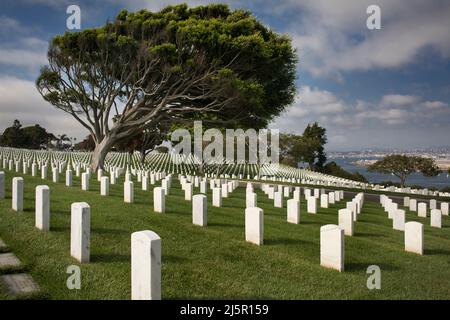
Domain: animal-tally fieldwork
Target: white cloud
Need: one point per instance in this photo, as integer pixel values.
(332, 36)
(21, 100)
(434, 104)
(399, 100)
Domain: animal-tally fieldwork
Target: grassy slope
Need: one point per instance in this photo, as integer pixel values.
(216, 262)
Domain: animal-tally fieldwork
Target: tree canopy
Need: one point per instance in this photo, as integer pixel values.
(176, 65)
(32, 137)
(308, 147)
(402, 166)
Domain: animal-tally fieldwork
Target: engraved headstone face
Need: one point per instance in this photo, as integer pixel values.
(436, 218)
(8, 260)
(332, 247)
(145, 266)
(345, 217)
(414, 237)
(254, 225)
(18, 284)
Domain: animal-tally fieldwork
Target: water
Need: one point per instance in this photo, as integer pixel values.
(438, 182)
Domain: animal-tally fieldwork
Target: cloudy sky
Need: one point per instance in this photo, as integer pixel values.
(369, 88)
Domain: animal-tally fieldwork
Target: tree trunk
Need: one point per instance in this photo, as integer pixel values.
(100, 152)
(143, 154)
(402, 181)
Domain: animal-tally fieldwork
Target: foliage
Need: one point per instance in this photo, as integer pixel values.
(332, 168)
(315, 138)
(87, 144)
(402, 166)
(307, 148)
(32, 137)
(178, 64)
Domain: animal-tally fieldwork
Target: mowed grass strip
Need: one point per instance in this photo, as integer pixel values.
(215, 261)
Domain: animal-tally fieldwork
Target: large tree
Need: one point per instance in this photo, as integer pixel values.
(36, 137)
(175, 65)
(402, 166)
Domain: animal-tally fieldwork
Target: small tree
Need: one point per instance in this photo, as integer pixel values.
(13, 136)
(177, 64)
(314, 138)
(402, 166)
(307, 148)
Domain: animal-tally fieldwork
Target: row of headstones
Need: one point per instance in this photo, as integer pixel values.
(398, 215)
(413, 231)
(421, 207)
(325, 180)
(145, 245)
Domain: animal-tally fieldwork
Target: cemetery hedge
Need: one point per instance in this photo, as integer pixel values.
(215, 262)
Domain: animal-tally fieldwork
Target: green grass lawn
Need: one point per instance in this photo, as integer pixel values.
(215, 261)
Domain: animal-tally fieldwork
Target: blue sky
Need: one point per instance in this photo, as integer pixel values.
(369, 88)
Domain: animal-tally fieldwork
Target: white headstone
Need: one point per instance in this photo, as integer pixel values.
(297, 194)
(444, 208)
(112, 176)
(159, 200)
(316, 193)
(251, 200)
(188, 191)
(345, 217)
(165, 186)
(80, 231)
(412, 205)
(332, 247)
(104, 186)
(436, 218)
(44, 172)
(128, 191)
(414, 237)
(337, 196)
(69, 179)
(2, 185)
(217, 197)
(331, 198)
(203, 186)
(293, 211)
(225, 190)
(85, 181)
(42, 208)
(144, 183)
(254, 225)
(307, 193)
(99, 174)
(392, 208)
(312, 205)
(433, 204)
(286, 191)
(324, 201)
(199, 210)
(278, 200)
(398, 221)
(145, 266)
(17, 194)
(406, 201)
(422, 209)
